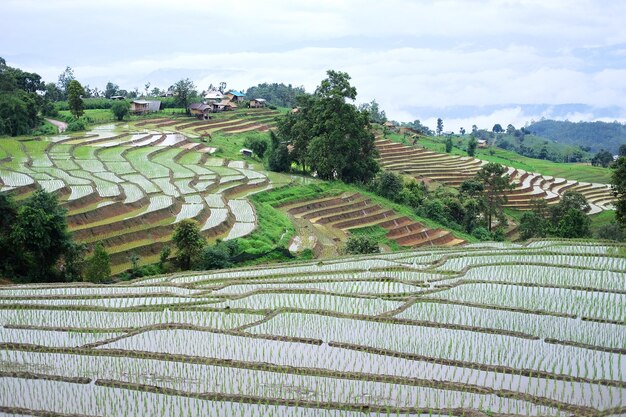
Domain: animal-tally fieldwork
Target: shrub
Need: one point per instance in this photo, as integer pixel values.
(76, 126)
(359, 244)
(258, 146)
(481, 233)
(99, 265)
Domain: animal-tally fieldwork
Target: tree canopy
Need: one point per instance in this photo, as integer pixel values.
(329, 135)
(75, 93)
(495, 182)
(280, 95)
(619, 189)
(188, 241)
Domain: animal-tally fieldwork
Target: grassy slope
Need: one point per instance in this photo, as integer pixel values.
(276, 230)
(577, 171)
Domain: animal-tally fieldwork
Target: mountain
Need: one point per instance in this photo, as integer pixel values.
(594, 135)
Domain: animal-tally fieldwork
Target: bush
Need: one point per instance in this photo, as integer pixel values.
(98, 266)
(76, 126)
(481, 233)
(611, 231)
(45, 130)
(219, 256)
(360, 244)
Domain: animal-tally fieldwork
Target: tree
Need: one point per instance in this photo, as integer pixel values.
(439, 126)
(573, 224)
(279, 159)
(146, 87)
(331, 137)
(40, 232)
(602, 158)
(388, 185)
(618, 180)
(462, 131)
(258, 146)
(495, 181)
(532, 225)
(120, 109)
(375, 114)
(65, 78)
(220, 255)
(471, 146)
(111, 90)
(510, 129)
(184, 91)
(21, 100)
(497, 128)
(359, 244)
(99, 265)
(449, 144)
(73, 261)
(188, 241)
(622, 150)
(75, 94)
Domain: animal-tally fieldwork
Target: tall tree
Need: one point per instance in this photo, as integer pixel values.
(65, 78)
(439, 126)
(497, 128)
(111, 90)
(373, 109)
(75, 93)
(328, 135)
(120, 109)
(188, 241)
(471, 146)
(495, 182)
(618, 179)
(184, 91)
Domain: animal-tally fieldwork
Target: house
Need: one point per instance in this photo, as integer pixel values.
(213, 95)
(144, 106)
(258, 102)
(235, 96)
(200, 110)
(246, 152)
(117, 97)
(482, 143)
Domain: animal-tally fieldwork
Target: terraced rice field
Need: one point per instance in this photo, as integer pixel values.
(481, 330)
(129, 189)
(452, 170)
(350, 211)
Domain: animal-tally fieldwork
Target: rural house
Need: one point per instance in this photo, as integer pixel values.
(200, 110)
(235, 96)
(144, 106)
(258, 102)
(213, 95)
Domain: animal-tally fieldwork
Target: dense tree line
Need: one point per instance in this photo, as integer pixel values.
(326, 135)
(279, 95)
(475, 208)
(595, 135)
(567, 219)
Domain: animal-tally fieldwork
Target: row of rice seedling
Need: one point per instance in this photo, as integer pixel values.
(104, 320)
(308, 301)
(90, 290)
(199, 378)
(51, 338)
(336, 287)
(539, 325)
(588, 304)
(548, 276)
(451, 344)
(108, 302)
(87, 399)
(595, 262)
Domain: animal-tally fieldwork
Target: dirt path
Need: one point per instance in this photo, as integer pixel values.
(61, 125)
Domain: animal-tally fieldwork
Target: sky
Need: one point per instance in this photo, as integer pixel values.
(469, 62)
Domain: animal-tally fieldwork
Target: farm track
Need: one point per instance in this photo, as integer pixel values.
(452, 170)
(383, 333)
(130, 190)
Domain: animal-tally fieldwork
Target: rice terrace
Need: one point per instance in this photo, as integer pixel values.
(330, 209)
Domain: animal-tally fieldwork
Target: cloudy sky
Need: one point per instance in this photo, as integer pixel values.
(469, 62)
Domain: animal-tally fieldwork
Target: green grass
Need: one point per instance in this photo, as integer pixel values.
(574, 171)
(379, 234)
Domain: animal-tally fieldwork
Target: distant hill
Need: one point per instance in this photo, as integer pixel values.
(595, 135)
